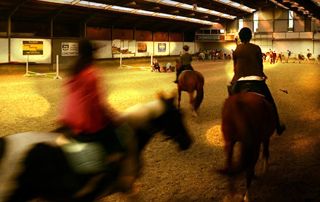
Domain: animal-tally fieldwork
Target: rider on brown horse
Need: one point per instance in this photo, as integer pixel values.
(185, 62)
(248, 72)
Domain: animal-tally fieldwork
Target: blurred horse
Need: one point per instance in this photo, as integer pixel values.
(247, 118)
(191, 81)
(34, 166)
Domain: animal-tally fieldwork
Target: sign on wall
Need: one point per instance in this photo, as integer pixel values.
(123, 46)
(142, 47)
(69, 49)
(162, 47)
(32, 47)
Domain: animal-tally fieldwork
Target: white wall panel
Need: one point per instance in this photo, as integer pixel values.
(295, 46)
(317, 48)
(176, 48)
(104, 50)
(4, 50)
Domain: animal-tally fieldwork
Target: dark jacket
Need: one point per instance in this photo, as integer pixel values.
(247, 59)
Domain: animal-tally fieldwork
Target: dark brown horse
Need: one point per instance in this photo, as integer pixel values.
(191, 81)
(247, 118)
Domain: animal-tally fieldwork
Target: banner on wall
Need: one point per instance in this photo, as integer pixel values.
(142, 47)
(69, 49)
(32, 47)
(123, 46)
(162, 47)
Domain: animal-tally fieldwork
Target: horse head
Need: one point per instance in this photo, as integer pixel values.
(171, 123)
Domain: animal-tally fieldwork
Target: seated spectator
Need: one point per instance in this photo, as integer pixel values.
(155, 65)
(169, 67)
(202, 56)
(309, 54)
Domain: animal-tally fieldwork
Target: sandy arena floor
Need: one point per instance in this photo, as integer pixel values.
(31, 104)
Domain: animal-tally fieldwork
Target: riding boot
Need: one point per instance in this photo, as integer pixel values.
(177, 75)
(280, 127)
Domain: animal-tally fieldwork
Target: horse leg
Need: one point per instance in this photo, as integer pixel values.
(265, 154)
(228, 166)
(179, 97)
(253, 155)
(191, 101)
(21, 194)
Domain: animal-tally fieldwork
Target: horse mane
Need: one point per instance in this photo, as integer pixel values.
(139, 115)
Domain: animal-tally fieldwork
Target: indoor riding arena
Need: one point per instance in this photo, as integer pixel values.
(39, 43)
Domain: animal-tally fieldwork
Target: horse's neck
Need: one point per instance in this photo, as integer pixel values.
(141, 119)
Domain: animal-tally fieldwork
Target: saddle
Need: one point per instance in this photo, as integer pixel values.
(246, 86)
(85, 157)
(92, 157)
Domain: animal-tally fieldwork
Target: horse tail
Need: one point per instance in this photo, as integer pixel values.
(200, 92)
(244, 128)
(2, 147)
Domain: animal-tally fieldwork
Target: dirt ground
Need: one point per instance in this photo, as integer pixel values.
(32, 104)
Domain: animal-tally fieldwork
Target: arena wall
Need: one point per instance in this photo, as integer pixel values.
(4, 51)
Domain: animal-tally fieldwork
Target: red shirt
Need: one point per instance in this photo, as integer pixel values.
(83, 109)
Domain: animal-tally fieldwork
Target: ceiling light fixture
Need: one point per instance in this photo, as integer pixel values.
(236, 5)
(192, 7)
(279, 4)
(101, 6)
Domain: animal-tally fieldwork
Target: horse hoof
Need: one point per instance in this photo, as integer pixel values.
(223, 171)
(194, 114)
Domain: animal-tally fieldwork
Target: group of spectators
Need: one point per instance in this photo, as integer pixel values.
(273, 57)
(156, 67)
(213, 54)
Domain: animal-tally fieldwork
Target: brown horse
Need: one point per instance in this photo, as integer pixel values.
(191, 81)
(247, 118)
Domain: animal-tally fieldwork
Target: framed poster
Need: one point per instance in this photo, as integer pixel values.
(142, 47)
(162, 47)
(69, 48)
(32, 47)
(123, 46)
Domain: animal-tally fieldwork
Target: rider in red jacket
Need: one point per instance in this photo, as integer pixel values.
(84, 110)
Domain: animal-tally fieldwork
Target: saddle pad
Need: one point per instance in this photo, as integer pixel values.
(85, 158)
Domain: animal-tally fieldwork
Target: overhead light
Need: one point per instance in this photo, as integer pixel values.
(285, 1)
(193, 7)
(236, 5)
(294, 4)
(300, 8)
(279, 4)
(123, 9)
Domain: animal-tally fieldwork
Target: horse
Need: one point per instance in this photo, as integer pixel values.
(191, 81)
(248, 118)
(34, 166)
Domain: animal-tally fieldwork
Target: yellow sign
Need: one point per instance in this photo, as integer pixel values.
(32, 47)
